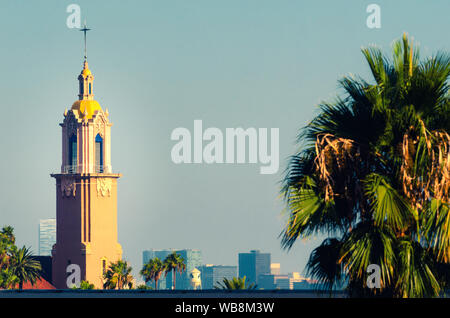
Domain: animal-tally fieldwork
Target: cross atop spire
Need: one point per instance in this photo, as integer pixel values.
(85, 29)
(86, 79)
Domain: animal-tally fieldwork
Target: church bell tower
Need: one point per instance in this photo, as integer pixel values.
(86, 190)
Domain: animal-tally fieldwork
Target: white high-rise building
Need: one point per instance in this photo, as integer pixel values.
(47, 236)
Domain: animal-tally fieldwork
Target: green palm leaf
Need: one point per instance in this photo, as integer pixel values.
(388, 206)
(417, 276)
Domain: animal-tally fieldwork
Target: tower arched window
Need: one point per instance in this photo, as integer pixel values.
(73, 153)
(98, 154)
(90, 88)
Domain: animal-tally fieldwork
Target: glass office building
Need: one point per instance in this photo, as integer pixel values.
(47, 236)
(211, 275)
(253, 264)
(193, 259)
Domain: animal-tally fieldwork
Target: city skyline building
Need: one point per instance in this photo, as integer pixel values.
(253, 264)
(291, 280)
(282, 282)
(275, 268)
(266, 281)
(47, 236)
(211, 274)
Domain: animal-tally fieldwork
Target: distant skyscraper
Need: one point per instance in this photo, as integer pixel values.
(278, 281)
(211, 274)
(275, 268)
(47, 236)
(266, 281)
(253, 264)
(282, 282)
(192, 259)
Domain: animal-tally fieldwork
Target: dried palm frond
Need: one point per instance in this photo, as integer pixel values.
(331, 150)
(425, 168)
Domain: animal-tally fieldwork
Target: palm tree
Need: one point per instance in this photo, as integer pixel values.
(8, 231)
(374, 176)
(143, 287)
(85, 285)
(118, 276)
(25, 267)
(174, 263)
(153, 270)
(235, 283)
(323, 265)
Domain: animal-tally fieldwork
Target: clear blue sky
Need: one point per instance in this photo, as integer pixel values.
(159, 65)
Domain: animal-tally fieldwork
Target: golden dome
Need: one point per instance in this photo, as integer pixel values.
(88, 106)
(86, 72)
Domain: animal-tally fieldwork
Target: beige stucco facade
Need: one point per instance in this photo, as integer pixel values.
(86, 191)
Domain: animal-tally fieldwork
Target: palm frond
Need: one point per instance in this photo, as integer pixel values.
(324, 266)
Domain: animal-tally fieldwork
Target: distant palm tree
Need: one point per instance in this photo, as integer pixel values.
(144, 287)
(8, 231)
(85, 285)
(153, 270)
(235, 284)
(118, 276)
(374, 175)
(174, 263)
(25, 267)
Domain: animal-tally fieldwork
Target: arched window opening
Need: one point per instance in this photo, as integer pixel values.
(98, 154)
(90, 88)
(73, 154)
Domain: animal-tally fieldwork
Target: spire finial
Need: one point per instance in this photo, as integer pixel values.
(85, 29)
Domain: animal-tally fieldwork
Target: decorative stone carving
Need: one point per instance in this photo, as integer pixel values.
(71, 128)
(68, 187)
(100, 122)
(99, 129)
(104, 187)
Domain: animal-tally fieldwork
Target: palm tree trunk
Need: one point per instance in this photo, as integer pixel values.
(174, 278)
